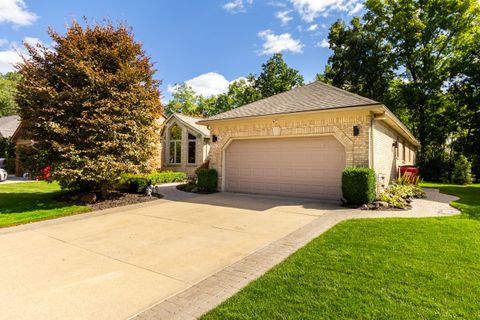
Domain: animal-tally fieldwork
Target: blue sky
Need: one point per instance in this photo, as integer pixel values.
(204, 42)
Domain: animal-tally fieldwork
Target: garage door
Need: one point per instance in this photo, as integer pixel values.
(300, 167)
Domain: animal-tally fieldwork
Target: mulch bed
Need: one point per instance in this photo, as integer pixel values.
(114, 199)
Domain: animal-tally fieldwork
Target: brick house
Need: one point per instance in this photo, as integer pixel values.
(298, 142)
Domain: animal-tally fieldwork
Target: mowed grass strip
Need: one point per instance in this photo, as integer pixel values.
(375, 269)
(33, 201)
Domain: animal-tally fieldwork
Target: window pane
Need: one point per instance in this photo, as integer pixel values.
(175, 133)
(192, 149)
(178, 152)
(172, 152)
(191, 137)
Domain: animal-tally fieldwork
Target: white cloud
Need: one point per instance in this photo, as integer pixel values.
(313, 27)
(7, 60)
(3, 42)
(311, 9)
(284, 17)
(323, 44)
(358, 7)
(15, 11)
(207, 84)
(32, 41)
(277, 43)
(236, 6)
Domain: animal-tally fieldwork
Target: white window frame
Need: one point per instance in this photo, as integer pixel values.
(176, 143)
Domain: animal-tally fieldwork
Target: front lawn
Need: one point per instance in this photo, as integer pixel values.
(375, 269)
(32, 201)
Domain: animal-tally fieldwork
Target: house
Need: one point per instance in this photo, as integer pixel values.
(185, 143)
(297, 143)
(8, 126)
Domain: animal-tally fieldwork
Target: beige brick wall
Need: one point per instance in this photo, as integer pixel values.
(338, 123)
(387, 158)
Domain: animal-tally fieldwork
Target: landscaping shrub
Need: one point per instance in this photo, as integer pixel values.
(138, 183)
(207, 180)
(358, 185)
(399, 195)
(462, 171)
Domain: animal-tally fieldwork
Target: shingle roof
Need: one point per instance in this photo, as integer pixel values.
(192, 122)
(8, 125)
(314, 96)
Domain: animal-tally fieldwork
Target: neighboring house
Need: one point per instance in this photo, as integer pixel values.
(298, 142)
(185, 144)
(8, 126)
(20, 143)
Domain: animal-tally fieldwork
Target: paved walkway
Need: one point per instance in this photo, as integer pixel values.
(210, 292)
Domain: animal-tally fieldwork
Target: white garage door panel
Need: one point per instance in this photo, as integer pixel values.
(303, 167)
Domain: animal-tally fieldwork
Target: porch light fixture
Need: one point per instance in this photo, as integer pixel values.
(356, 130)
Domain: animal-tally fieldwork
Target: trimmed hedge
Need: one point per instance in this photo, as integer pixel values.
(358, 185)
(207, 179)
(138, 183)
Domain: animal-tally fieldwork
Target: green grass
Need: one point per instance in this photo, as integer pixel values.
(425, 268)
(469, 202)
(32, 201)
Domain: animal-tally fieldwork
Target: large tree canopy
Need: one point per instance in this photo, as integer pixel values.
(90, 104)
(410, 54)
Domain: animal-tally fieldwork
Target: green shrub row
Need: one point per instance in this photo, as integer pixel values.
(207, 179)
(138, 183)
(358, 185)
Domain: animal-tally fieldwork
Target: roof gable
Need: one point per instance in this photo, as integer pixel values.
(190, 122)
(8, 126)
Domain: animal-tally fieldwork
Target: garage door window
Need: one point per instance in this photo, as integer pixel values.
(175, 144)
(192, 149)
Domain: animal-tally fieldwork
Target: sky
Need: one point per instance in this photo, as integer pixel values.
(205, 43)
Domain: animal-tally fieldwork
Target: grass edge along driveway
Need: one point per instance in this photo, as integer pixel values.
(375, 269)
(33, 201)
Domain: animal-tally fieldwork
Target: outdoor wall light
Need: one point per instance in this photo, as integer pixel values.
(214, 138)
(356, 130)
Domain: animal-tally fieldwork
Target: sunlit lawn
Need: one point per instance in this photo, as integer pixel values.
(32, 201)
(425, 268)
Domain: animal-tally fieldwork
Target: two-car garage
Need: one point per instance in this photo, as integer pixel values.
(300, 167)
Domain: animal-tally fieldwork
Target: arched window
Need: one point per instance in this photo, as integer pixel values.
(175, 144)
(192, 149)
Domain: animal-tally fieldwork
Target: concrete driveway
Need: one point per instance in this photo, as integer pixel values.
(117, 263)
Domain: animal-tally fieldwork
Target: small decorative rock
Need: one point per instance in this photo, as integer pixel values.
(88, 198)
(364, 207)
(383, 204)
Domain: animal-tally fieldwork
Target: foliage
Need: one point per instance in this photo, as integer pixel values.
(207, 180)
(8, 151)
(421, 59)
(399, 194)
(138, 183)
(361, 61)
(358, 185)
(8, 83)
(91, 105)
(462, 171)
(407, 179)
(371, 269)
(275, 77)
(33, 201)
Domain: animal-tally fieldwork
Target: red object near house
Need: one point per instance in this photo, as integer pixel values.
(411, 171)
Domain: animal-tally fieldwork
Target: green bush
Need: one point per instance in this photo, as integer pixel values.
(462, 171)
(396, 195)
(167, 177)
(358, 185)
(207, 180)
(138, 183)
